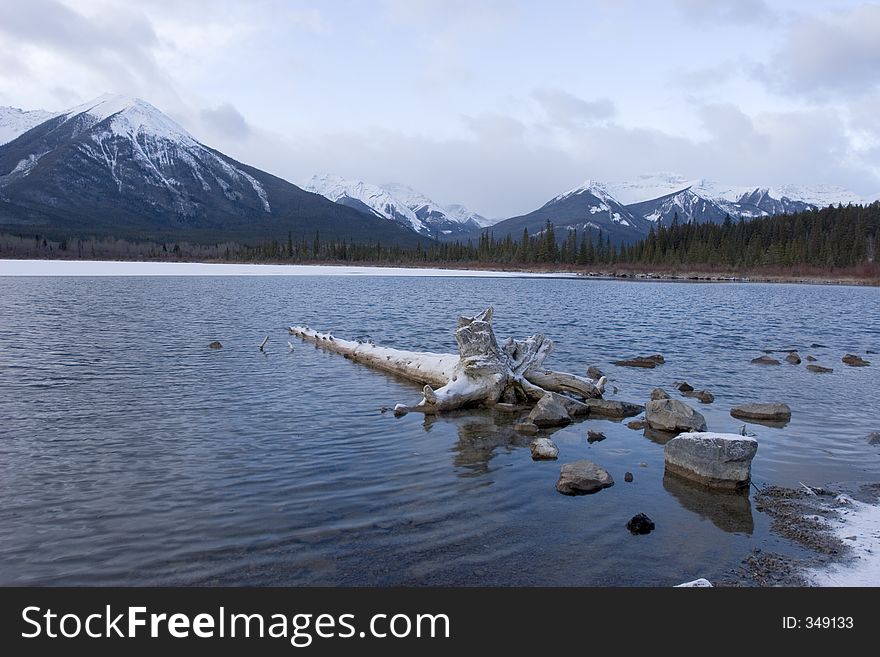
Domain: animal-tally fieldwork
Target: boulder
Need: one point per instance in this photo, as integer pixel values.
(855, 361)
(594, 373)
(548, 412)
(716, 460)
(705, 397)
(673, 415)
(647, 362)
(628, 477)
(775, 412)
(215, 345)
(611, 408)
(544, 449)
(818, 369)
(765, 360)
(659, 393)
(874, 438)
(638, 425)
(595, 436)
(684, 386)
(793, 358)
(583, 478)
(526, 427)
(640, 524)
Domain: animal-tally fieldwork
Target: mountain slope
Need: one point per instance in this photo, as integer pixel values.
(588, 207)
(118, 166)
(15, 122)
(687, 205)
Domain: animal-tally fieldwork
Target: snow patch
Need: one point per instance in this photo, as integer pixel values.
(858, 526)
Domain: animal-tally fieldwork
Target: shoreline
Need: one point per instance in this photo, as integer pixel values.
(75, 267)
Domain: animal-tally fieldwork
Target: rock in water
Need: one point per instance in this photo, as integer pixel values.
(215, 345)
(855, 361)
(638, 425)
(705, 397)
(716, 460)
(640, 524)
(697, 583)
(400, 410)
(672, 415)
(549, 413)
(612, 408)
(526, 427)
(595, 436)
(765, 360)
(659, 393)
(818, 369)
(775, 412)
(684, 386)
(628, 477)
(648, 362)
(812, 359)
(594, 373)
(544, 449)
(793, 358)
(583, 478)
(874, 438)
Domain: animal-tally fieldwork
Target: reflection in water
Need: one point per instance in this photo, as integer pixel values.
(730, 511)
(480, 434)
(659, 437)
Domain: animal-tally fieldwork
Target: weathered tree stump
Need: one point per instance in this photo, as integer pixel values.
(484, 372)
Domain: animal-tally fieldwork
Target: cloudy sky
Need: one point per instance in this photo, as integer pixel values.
(499, 105)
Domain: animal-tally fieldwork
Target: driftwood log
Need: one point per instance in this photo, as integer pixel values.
(483, 372)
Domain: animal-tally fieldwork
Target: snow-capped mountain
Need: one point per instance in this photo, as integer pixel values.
(399, 203)
(117, 164)
(15, 122)
(587, 207)
(687, 205)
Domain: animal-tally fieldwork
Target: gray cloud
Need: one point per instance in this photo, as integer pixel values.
(226, 120)
(567, 110)
(835, 54)
(741, 12)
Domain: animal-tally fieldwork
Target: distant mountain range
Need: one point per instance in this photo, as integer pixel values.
(118, 166)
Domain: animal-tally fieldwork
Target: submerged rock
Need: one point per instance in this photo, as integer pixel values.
(215, 345)
(544, 449)
(818, 369)
(595, 436)
(548, 412)
(774, 412)
(612, 408)
(526, 427)
(855, 361)
(716, 460)
(793, 358)
(628, 477)
(638, 425)
(705, 397)
(583, 478)
(673, 415)
(659, 393)
(400, 410)
(874, 438)
(647, 362)
(684, 386)
(765, 360)
(640, 524)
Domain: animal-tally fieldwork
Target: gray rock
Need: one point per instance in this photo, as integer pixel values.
(855, 361)
(818, 369)
(793, 358)
(647, 362)
(673, 415)
(594, 373)
(612, 408)
(765, 360)
(717, 460)
(638, 425)
(526, 427)
(215, 345)
(583, 478)
(705, 397)
(684, 386)
(548, 412)
(544, 449)
(628, 477)
(659, 393)
(812, 359)
(874, 438)
(775, 412)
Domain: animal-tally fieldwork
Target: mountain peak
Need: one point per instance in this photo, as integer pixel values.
(129, 116)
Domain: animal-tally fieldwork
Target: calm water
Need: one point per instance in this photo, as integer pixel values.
(130, 453)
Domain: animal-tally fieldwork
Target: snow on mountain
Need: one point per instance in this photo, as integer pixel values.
(687, 205)
(400, 203)
(597, 200)
(15, 122)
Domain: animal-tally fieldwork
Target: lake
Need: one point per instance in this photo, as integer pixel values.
(132, 454)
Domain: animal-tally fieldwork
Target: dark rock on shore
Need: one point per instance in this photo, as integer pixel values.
(765, 360)
(773, 412)
(640, 524)
(855, 361)
(583, 478)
